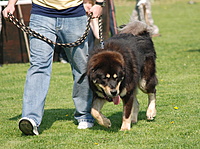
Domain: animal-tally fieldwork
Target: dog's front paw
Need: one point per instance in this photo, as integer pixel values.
(125, 126)
(105, 122)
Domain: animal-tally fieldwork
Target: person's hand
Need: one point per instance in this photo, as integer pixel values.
(87, 7)
(8, 9)
(96, 11)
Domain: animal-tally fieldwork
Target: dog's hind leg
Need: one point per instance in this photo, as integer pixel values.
(145, 87)
(148, 84)
(96, 113)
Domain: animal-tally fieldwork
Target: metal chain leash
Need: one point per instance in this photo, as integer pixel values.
(29, 31)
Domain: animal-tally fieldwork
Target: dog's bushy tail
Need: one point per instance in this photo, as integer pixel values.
(135, 28)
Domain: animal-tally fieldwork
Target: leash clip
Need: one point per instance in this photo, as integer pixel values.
(102, 44)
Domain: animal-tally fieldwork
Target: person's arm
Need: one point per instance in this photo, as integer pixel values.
(97, 8)
(10, 8)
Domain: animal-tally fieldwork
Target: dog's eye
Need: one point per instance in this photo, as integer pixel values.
(100, 77)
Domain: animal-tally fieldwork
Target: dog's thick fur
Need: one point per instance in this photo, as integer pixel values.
(126, 63)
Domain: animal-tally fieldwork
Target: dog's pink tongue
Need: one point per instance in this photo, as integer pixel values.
(116, 100)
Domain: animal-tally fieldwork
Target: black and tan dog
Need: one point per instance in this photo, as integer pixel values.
(115, 72)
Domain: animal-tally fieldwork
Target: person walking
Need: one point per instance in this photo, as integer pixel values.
(64, 21)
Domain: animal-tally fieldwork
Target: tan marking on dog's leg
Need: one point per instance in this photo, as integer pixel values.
(95, 111)
(151, 111)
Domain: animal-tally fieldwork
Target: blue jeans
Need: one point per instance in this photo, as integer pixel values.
(38, 76)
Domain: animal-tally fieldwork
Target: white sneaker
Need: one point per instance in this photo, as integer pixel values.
(28, 126)
(85, 125)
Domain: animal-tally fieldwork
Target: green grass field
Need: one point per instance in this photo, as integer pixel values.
(177, 125)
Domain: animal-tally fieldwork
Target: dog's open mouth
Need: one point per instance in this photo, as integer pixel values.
(115, 100)
(108, 95)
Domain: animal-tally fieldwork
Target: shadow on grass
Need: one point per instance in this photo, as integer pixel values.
(116, 120)
(193, 50)
(53, 115)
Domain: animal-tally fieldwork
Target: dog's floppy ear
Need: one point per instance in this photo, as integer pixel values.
(91, 67)
(91, 73)
(92, 70)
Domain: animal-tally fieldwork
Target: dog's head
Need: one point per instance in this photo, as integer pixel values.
(106, 72)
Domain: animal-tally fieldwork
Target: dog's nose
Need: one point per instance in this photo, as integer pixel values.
(114, 92)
